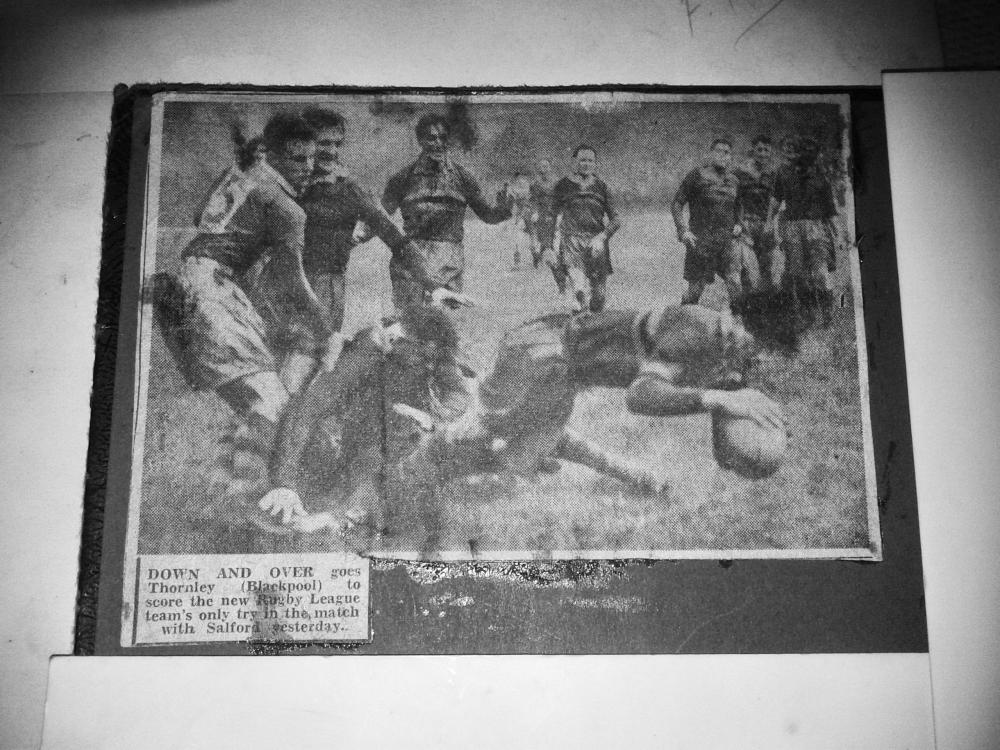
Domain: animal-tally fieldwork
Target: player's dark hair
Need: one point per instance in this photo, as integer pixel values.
(431, 324)
(584, 147)
(247, 155)
(429, 120)
(726, 141)
(285, 127)
(324, 119)
(766, 140)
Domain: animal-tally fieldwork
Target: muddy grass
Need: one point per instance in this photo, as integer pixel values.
(816, 499)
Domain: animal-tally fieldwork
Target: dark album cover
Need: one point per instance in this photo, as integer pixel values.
(509, 372)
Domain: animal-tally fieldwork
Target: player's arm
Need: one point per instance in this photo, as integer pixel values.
(682, 198)
(288, 237)
(392, 196)
(364, 207)
(303, 413)
(775, 204)
(612, 222)
(488, 212)
(655, 393)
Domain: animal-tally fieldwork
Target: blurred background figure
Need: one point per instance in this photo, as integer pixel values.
(520, 223)
(543, 221)
(802, 214)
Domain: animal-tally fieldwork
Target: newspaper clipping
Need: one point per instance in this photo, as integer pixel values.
(504, 326)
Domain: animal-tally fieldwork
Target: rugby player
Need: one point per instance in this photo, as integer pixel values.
(803, 196)
(672, 361)
(520, 224)
(335, 205)
(218, 337)
(709, 192)
(753, 199)
(585, 222)
(432, 195)
(543, 221)
(349, 418)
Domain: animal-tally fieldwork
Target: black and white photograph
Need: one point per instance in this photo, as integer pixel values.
(501, 326)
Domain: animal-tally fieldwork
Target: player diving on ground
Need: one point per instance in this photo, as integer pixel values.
(672, 361)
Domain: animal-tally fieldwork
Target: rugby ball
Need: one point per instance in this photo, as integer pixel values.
(746, 447)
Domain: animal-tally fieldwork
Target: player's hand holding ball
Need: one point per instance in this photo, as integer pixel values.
(283, 501)
(749, 433)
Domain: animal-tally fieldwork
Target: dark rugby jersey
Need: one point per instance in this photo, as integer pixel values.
(543, 198)
(432, 195)
(611, 348)
(583, 206)
(806, 192)
(333, 205)
(357, 395)
(710, 195)
(756, 186)
(246, 216)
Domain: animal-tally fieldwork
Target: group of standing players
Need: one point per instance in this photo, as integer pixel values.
(256, 308)
(766, 227)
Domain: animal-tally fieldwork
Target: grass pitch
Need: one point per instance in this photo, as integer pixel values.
(816, 500)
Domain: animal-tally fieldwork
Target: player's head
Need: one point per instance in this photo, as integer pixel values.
(428, 336)
(330, 128)
(761, 148)
(291, 147)
(544, 166)
(808, 149)
(586, 159)
(712, 348)
(789, 147)
(520, 186)
(433, 131)
(721, 152)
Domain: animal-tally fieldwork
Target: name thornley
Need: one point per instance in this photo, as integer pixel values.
(156, 587)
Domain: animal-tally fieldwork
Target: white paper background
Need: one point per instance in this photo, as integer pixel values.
(52, 151)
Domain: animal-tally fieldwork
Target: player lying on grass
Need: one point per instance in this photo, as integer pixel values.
(672, 361)
(343, 430)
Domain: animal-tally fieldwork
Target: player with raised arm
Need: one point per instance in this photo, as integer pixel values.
(432, 195)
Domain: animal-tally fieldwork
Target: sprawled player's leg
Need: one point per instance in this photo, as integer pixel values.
(577, 449)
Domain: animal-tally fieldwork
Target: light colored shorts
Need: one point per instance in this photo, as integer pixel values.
(224, 337)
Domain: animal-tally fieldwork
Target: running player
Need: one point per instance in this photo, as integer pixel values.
(585, 223)
(432, 194)
(709, 192)
(543, 221)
